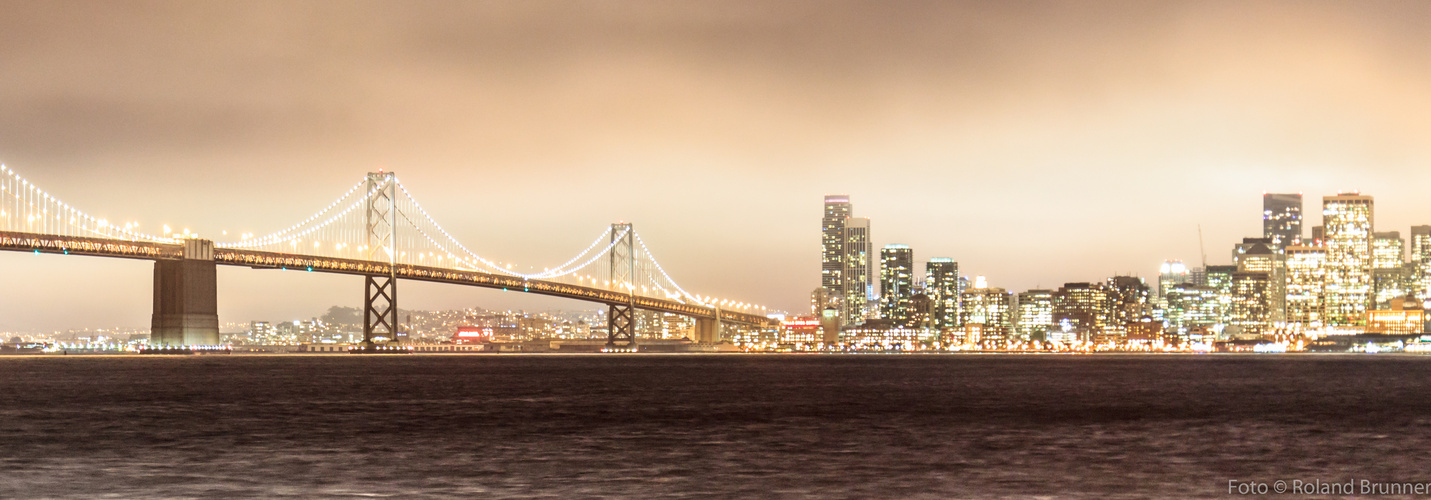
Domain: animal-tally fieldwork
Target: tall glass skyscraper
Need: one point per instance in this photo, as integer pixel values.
(941, 283)
(1282, 219)
(859, 270)
(896, 282)
(832, 239)
(1348, 222)
(1421, 261)
(846, 258)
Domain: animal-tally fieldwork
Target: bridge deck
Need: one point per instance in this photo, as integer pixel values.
(105, 247)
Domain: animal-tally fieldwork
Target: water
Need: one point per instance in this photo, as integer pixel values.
(705, 426)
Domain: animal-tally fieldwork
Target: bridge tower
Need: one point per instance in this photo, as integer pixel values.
(380, 313)
(621, 318)
(186, 298)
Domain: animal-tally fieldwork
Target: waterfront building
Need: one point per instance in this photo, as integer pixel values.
(1130, 296)
(896, 283)
(882, 334)
(1404, 316)
(1306, 284)
(987, 310)
(941, 283)
(804, 332)
(1282, 219)
(1035, 314)
(1349, 222)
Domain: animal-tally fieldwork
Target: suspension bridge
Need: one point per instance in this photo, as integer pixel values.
(377, 230)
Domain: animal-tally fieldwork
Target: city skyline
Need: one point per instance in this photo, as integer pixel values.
(988, 144)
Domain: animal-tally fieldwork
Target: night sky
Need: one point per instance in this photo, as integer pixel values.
(1035, 143)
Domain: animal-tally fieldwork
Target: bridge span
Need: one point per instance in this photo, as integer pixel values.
(379, 233)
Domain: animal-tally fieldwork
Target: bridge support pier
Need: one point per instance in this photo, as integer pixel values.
(186, 298)
(707, 330)
(620, 327)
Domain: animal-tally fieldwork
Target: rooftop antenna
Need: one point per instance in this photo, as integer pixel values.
(1200, 248)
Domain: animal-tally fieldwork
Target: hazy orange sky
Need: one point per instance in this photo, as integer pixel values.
(1034, 142)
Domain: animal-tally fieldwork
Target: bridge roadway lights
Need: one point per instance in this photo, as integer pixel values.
(186, 298)
(371, 348)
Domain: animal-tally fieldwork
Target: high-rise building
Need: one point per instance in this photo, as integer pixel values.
(832, 239)
(1171, 273)
(986, 311)
(1421, 261)
(1258, 255)
(1035, 316)
(896, 283)
(858, 286)
(822, 299)
(1306, 285)
(1349, 222)
(941, 283)
(1388, 250)
(1282, 219)
(1220, 279)
(1190, 306)
(1251, 302)
(1130, 296)
(1081, 311)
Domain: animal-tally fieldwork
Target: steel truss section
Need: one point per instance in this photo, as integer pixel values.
(379, 309)
(620, 327)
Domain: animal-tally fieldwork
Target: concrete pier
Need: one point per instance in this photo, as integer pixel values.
(186, 298)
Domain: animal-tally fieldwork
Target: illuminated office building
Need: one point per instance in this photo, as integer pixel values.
(1220, 279)
(1387, 250)
(1190, 306)
(1258, 255)
(941, 284)
(1306, 287)
(1421, 261)
(896, 283)
(859, 270)
(1251, 302)
(1035, 314)
(1282, 219)
(986, 311)
(832, 239)
(1391, 278)
(1171, 273)
(1081, 311)
(1349, 221)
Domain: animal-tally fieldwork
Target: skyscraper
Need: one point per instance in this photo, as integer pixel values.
(846, 259)
(858, 270)
(1421, 261)
(985, 314)
(1306, 286)
(1282, 219)
(1171, 273)
(941, 283)
(1080, 312)
(1349, 221)
(896, 282)
(832, 239)
(1035, 316)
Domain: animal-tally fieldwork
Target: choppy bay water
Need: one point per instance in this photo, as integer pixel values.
(704, 426)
